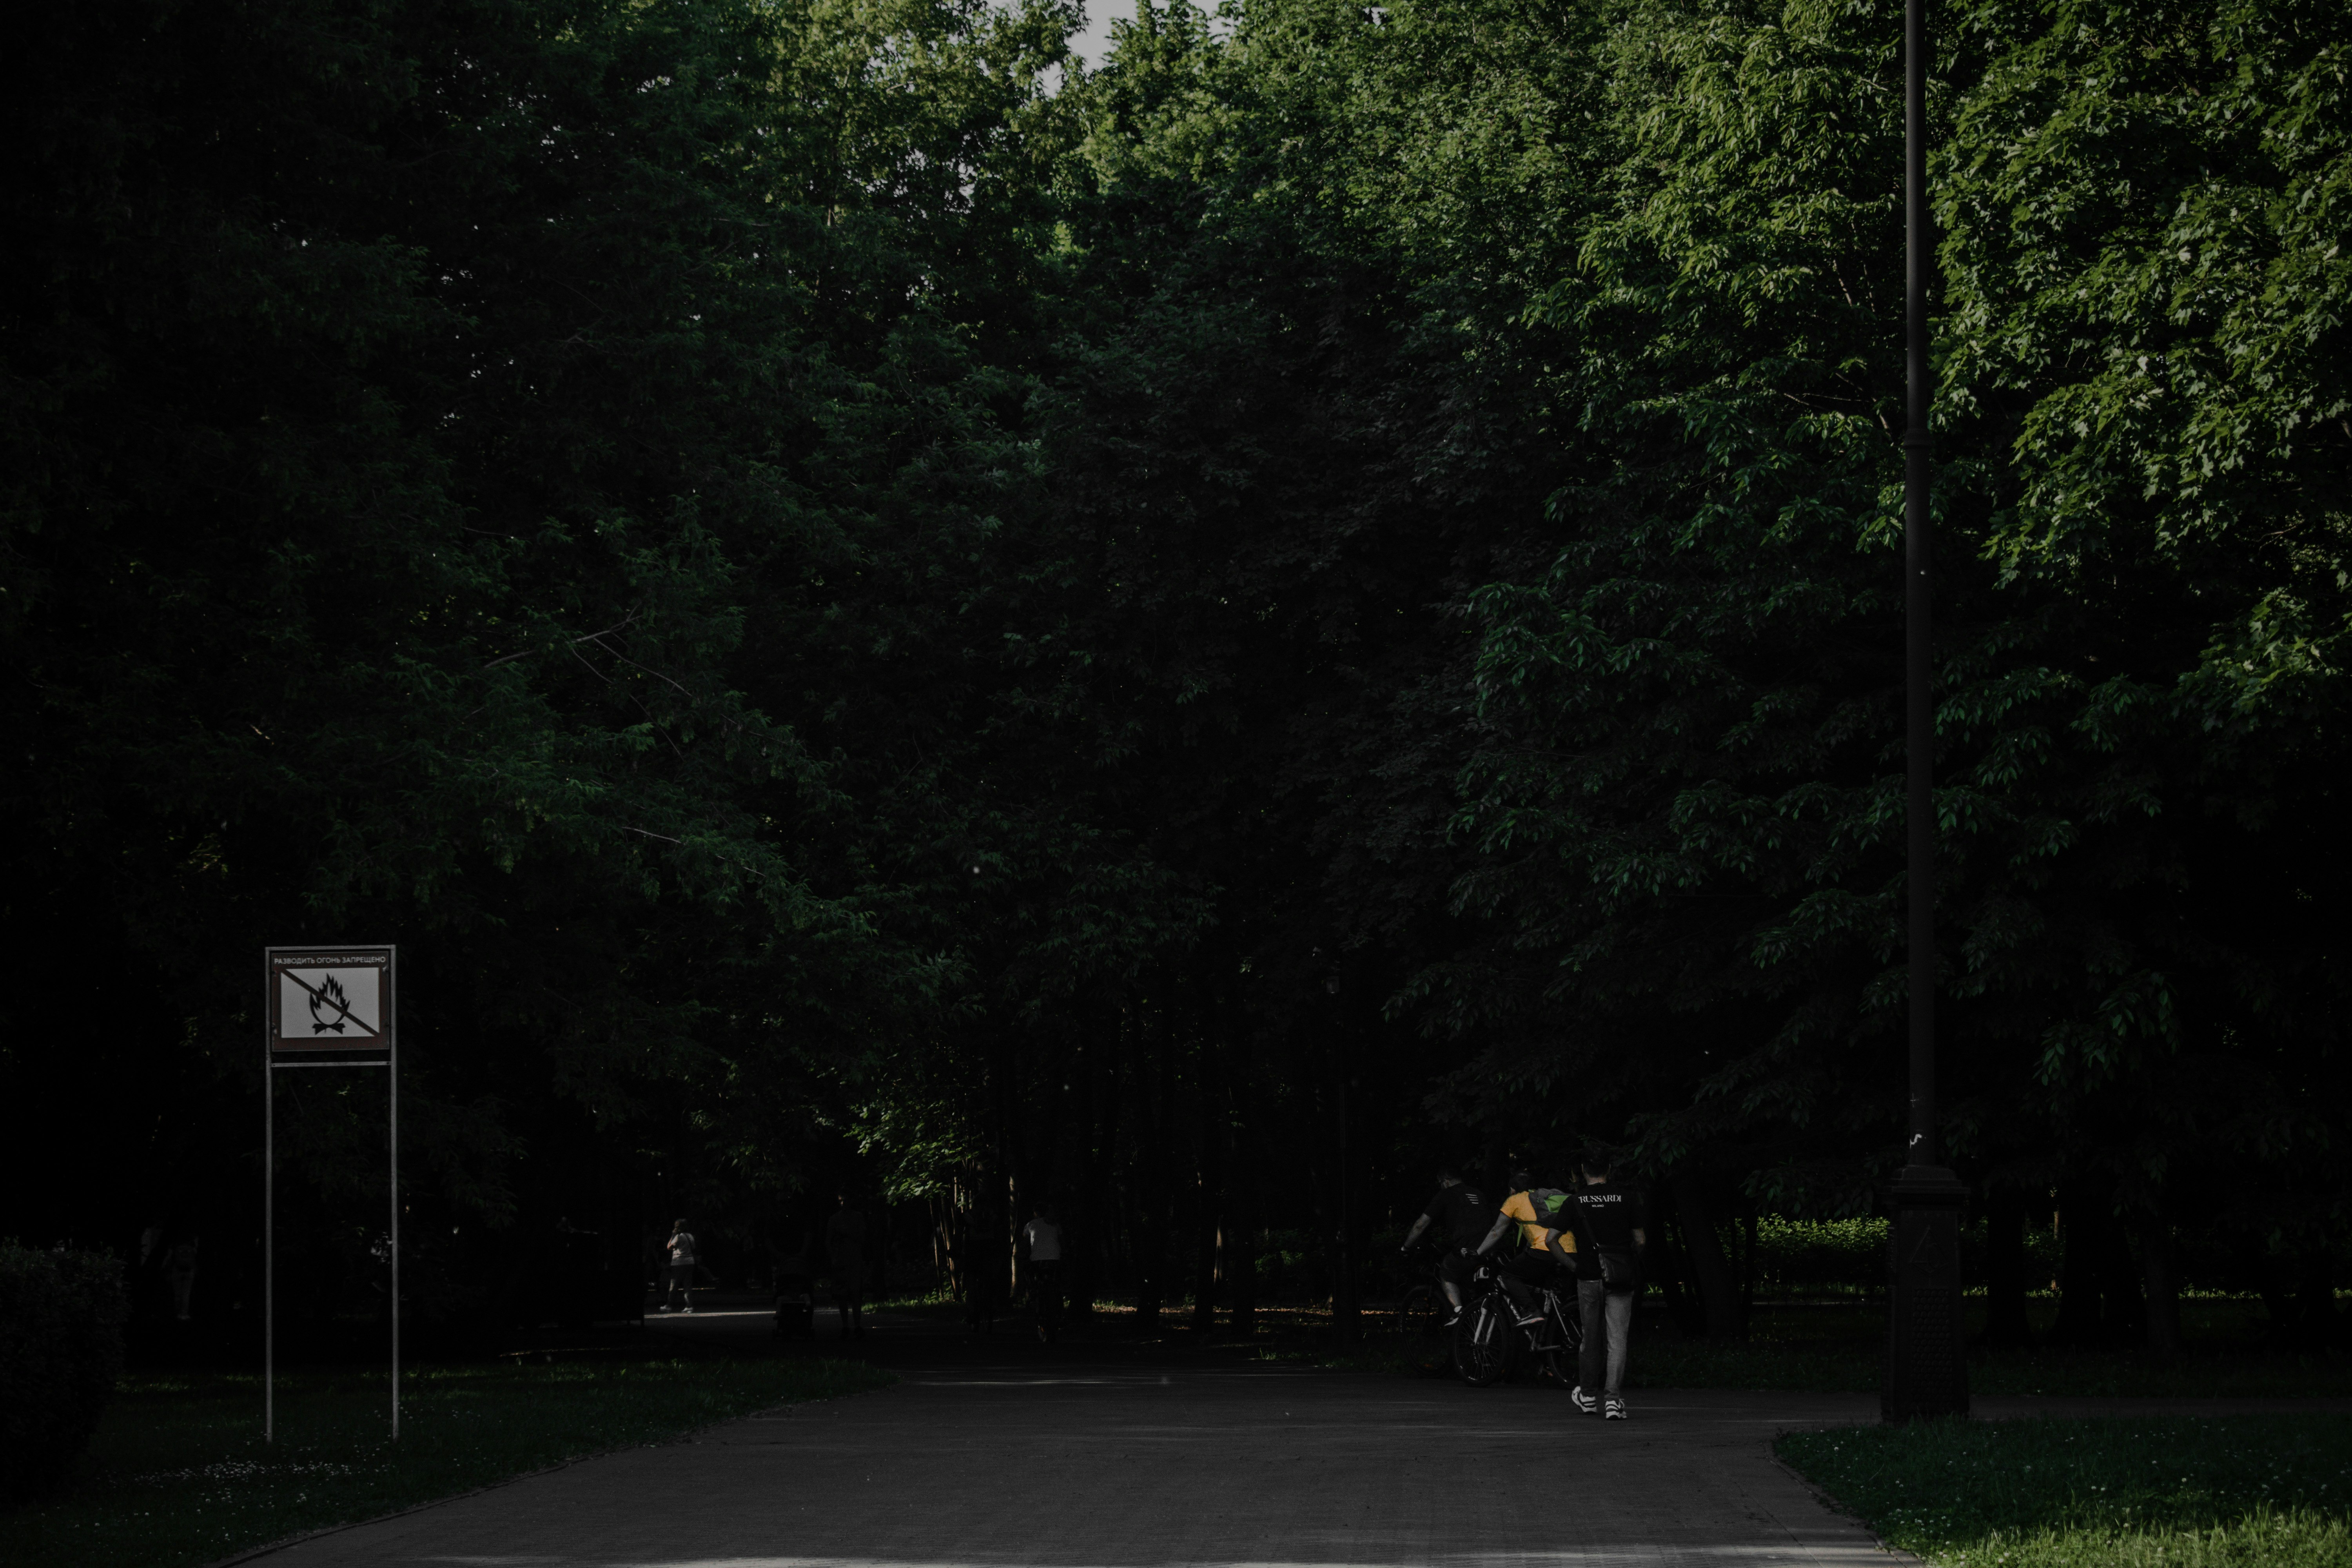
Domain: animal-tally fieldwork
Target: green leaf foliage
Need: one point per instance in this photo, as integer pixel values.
(876, 608)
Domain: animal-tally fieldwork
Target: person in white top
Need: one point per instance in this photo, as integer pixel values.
(681, 1266)
(1041, 1241)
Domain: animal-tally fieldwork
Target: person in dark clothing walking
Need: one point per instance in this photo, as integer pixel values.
(1464, 1211)
(1609, 1236)
(1041, 1243)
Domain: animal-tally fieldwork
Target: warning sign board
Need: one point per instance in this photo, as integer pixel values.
(330, 999)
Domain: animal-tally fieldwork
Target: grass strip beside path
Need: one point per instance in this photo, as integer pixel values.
(2168, 1491)
(179, 1475)
(2219, 1372)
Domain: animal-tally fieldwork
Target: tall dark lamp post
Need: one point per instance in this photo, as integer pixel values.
(1926, 1372)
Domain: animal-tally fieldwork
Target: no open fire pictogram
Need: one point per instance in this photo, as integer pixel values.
(330, 1001)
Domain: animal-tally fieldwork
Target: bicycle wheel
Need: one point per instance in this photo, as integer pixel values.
(1555, 1343)
(1572, 1324)
(1422, 1325)
(1483, 1342)
(1421, 1312)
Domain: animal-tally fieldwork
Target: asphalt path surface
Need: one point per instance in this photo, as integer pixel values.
(1007, 1452)
(1004, 1454)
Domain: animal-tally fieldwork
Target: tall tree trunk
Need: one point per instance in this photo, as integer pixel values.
(999, 1257)
(1709, 1269)
(1151, 1249)
(2082, 1205)
(1204, 1268)
(1667, 1264)
(1240, 1266)
(942, 1250)
(2006, 1322)
(1208, 1146)
(1748, 1271)
(1347, 1320)
(2255, 1260)
(2315, 1318)
(1099, 1080)
(2159, 1274)
(1241, 1196)
(2122, 1309)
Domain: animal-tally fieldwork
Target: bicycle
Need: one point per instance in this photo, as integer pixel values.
(1488, 1341)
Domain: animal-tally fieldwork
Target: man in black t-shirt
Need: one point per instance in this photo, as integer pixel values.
(1464, 1211)
(1611, 1226)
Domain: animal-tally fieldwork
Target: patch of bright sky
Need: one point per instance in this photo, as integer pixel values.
(1091, 43)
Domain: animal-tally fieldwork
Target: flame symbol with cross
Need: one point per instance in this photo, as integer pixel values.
(331, 994)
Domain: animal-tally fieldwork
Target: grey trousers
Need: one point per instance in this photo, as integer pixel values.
(1597, 1305)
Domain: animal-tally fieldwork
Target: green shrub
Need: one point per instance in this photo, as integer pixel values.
(1804, 1255)
(60, 1349)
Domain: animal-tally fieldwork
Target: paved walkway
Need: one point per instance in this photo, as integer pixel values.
(1109, 1464)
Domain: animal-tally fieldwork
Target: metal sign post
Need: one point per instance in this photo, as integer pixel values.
(323, 1007)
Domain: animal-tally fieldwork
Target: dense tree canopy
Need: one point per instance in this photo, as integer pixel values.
(880, 611)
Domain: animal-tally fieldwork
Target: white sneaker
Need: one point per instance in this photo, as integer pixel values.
(689, 1311)
(1583, 1401)
(667, 1308)
(1614, 1410)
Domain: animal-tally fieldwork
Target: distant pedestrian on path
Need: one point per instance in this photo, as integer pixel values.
(845, 1250)
(681, 1266)
(1041, 1240)
(1609, 1236)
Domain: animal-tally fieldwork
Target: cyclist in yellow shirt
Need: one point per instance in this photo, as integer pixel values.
(1549, 1246)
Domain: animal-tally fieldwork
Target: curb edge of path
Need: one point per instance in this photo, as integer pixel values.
(691, 1435)
(1829, 1503)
